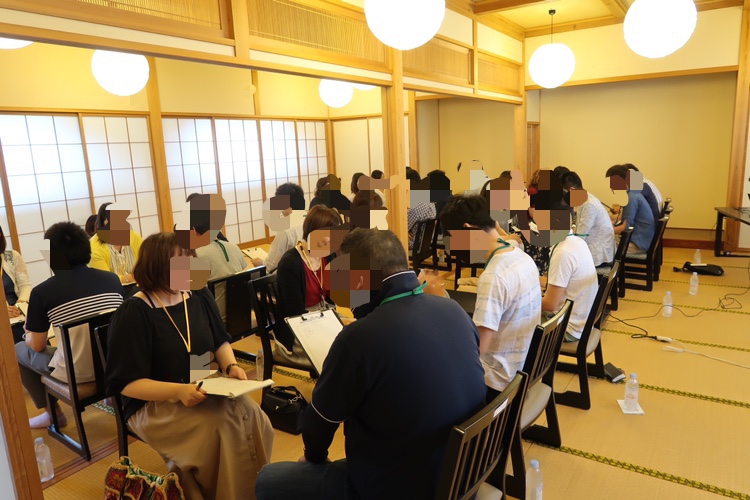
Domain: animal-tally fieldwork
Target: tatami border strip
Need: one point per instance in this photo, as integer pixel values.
(650, 472)
(741, 287)
(717, 309)
(684, 341)
(694, 395)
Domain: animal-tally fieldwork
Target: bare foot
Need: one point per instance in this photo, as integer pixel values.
(44, 420)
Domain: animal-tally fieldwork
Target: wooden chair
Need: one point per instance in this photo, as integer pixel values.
(590, 342)
(618, 289)
(540, 398)
(264, 295)
(666, 211)
(437, 244)
(76, 395)
(123, 432)
(424, 232)
(644, 266)
(240, 320)
(665, 207)
(478, 449)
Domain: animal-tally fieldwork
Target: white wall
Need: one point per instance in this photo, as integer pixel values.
(7, 486)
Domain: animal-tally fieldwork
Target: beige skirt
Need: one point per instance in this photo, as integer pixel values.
(216, 447)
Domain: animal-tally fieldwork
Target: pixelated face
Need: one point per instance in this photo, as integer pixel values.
(188, 273)
(367, 218)
(203, 211)
(351, 281)
(469, 244)
(279, 215)
(119, 228)
(200, 365)
(325, 241)
(430, 190)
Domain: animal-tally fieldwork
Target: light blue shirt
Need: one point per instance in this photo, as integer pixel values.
(638, 214)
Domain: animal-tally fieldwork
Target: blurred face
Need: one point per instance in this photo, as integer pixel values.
(187, 273)
(469, 244)
(279, 215)
(119, 228)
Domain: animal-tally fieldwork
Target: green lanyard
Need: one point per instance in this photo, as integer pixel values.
(226, 255)
(505, 245)
(416, 291)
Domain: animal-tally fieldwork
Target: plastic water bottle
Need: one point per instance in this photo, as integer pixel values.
(43, 460)
(259, 365)
(697, 256)
(666, 311)
(693, 284)
(631, 393)
(534, 484)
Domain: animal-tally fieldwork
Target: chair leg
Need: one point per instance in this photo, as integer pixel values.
(549, 435)
(621, 285)
(82, 433)
(575, 399)
(597, 369)
(614, 297)
(515, 484)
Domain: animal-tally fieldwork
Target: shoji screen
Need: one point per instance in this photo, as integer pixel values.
(191, 159)
(46, 176)
(119, 157)
(313, 158)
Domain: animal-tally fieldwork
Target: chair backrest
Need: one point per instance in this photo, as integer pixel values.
(424, 232)
(545, 345)
(64, 329)
(661, 226)
(622, 247)
(237, 296)
(481, 444)
(264, 298)
(597, 308)
(665, 209)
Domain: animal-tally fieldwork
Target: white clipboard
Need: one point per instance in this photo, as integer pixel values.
(316, 332)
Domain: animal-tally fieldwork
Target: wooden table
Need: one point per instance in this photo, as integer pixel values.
(741, 215)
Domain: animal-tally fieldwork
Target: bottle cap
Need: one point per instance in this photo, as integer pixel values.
(534, 463)
(632, 375)
(695, 274)
(669, 293)
(38, 441)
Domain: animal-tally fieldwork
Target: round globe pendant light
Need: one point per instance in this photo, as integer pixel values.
(119, 73)
(657, 28)
(552, 64)
(404, 24)
(12, 43)
(335, 94)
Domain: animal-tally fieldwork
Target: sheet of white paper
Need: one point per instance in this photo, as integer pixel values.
(639, 411)
(256, 253)
(316, 333)
(231, 387)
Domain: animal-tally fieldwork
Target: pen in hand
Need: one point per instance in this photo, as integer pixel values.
(198, 387)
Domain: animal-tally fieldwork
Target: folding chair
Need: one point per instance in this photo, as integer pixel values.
(590, 342)
(478, 448)
(645, 266)
(618, 289)
(540, 398)
(77, 396)
(424, 232)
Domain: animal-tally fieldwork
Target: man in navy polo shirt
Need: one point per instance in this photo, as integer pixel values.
(399, 379)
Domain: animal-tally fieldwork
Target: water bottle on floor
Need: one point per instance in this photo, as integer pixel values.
(43, 460)
(693, 284)
(534, 484)
(666, 311)
(631, 393)
(259, 365)
(697, 256)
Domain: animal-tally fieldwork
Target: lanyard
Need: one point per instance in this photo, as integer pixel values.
(223, 249)
(416, 291)
(187, 320)
(303, 252)
(505, 245)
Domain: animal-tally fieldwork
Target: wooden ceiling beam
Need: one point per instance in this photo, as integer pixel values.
(489, 6)
(618, 8)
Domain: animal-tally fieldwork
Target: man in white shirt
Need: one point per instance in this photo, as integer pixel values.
(592, 221)
(289, 235)
(508, 306)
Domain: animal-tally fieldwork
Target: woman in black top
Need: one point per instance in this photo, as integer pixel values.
(162, 339)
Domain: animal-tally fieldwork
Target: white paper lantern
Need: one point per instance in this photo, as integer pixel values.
(363, 86)
(552, 64)
(404, 24)
(12, 43)
(335, 94)
(119, 73)
(657, 28)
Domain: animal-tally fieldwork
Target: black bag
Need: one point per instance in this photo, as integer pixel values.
(285, 406)
(708, 269)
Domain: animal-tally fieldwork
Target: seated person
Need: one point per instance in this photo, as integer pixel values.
(421, 206)
(592, 222)
(637, 212)
(73, 292)
(161, 340)
(572, 275)
(289, 236)
(16, 284)
(300, 278)
(364, 205)
(328, 193)
(354, 188)
(508, 304)
(223, 257)
(653, 202)
(395, 437)
(115, 246)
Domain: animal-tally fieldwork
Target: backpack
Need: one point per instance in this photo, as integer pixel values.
(709, 269)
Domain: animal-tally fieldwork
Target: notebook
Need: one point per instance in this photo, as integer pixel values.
(316, 332)
(232, 387)
(256, 253)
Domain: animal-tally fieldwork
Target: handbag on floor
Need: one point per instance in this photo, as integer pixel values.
(285, 407)
(127, 481)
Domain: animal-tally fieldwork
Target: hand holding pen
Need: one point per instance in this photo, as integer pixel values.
(191, 395)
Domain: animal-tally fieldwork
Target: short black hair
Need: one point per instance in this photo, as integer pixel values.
(618, 170)
(102, 217)
(380, 248)
(69, 245)
(473, 210)
(413, 177)
(572, 180)
(295, 192)
(355, 178)
(90, 226)
(560, 171)
(377, 174)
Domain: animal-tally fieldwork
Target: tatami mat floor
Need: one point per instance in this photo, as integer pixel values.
(692, 443)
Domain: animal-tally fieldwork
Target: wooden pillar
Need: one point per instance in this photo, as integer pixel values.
(158, 150)
(240, 28)
(520, 145)
(393, 142)
(737, 170)
(413, 145)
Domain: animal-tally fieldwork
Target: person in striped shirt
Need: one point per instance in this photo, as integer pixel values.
(75, 291)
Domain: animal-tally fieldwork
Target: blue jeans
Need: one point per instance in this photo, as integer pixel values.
(308, 481)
